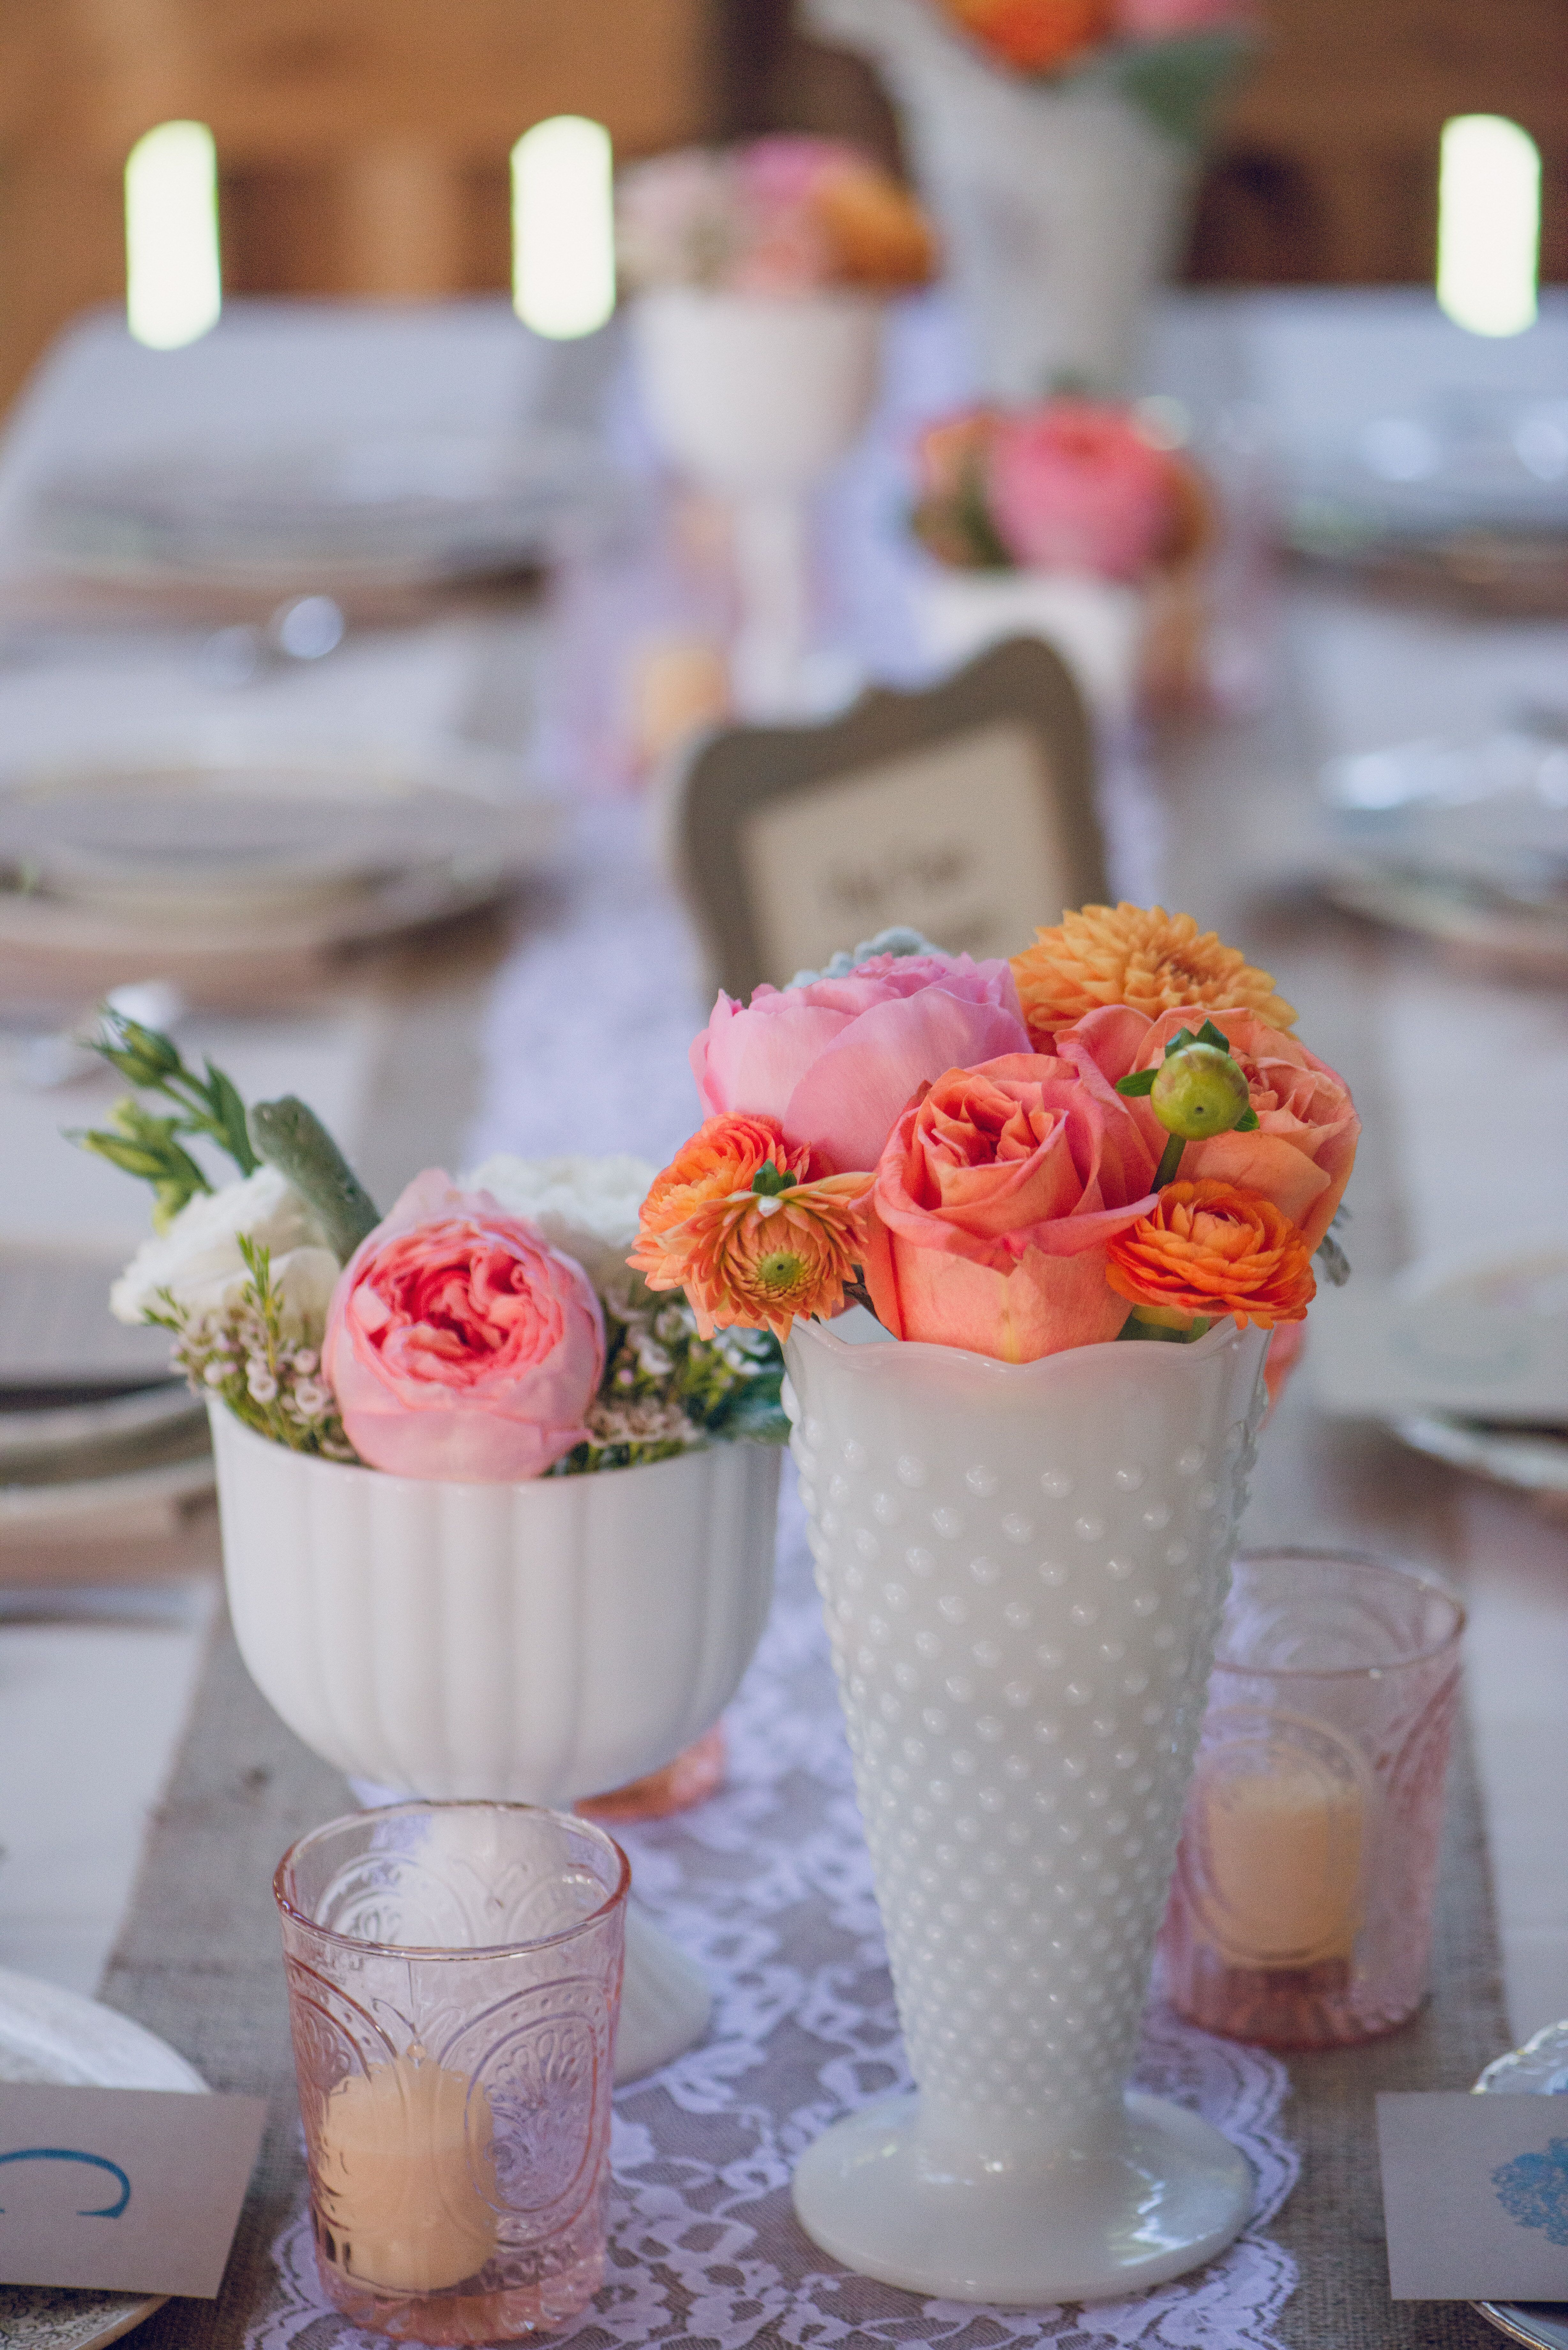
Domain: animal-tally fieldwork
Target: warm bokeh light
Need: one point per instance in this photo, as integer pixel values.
(1489, 224)
(173, 287)
(563, 227)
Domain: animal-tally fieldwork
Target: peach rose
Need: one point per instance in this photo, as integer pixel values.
(1304, 1147)
(459, 1343)
(1212, 1248)
(998, 1194)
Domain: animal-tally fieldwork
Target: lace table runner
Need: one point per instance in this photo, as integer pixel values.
(769, 1885)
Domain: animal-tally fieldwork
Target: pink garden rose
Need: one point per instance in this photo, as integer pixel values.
(835, 1062)
(1074, 486)
(998, 1193)
(1304, 1147)
(459, 1343)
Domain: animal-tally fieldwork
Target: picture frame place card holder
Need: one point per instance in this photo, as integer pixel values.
(965, 810)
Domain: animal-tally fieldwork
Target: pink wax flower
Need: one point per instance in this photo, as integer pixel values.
(459, 1343)
(1074, 486)
(998, 1193)
(835, 1062)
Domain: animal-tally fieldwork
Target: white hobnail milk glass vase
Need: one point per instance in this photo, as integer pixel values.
(1022, 1568)
(1060, 206)
(532, 1643)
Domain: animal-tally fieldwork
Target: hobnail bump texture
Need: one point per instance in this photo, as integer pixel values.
(1022, 1568)
(529, 1643)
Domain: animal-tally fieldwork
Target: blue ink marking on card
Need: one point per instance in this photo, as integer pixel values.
(1533, 2189)
(69, 2154)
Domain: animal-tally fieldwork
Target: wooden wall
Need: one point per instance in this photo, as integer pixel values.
(363, 144)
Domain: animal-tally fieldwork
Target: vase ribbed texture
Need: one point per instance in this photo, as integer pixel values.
(532, 1643)
(1023, 1569)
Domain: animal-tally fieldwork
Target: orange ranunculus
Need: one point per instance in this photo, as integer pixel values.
(1303, 1148)
(755, 1260)
(1035, 37)
(718, 1161)
(1140, 956)
(875, 230)
(1213, 1249)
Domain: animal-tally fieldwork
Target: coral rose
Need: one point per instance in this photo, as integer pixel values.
(460, 1344)
(719, 1160)
(1140, 956)
(755, 1260)
(1035, 35)
(1304, 1146)
(1074, 486)
(835, 1062)
(998, 1194)
(1212, 1248)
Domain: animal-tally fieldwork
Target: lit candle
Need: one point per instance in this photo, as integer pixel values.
(1282, 1851)
(404, 2176)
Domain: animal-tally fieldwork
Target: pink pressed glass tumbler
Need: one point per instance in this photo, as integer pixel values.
(453, 1985)
(1300, 1914)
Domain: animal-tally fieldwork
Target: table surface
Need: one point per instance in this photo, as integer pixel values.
(94, 1688)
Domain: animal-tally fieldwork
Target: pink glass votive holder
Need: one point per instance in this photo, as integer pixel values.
(454, 1977)
(1300, 1914)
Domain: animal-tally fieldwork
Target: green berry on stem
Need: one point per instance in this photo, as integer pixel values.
(1200, 1091)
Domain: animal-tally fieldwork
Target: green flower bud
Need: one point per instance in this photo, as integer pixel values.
(1200, 1091)
(143, 1057)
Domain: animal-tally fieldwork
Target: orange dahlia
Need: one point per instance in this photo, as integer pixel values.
(756, 1260)
(1035, 36)
(721, 1159)
(1140, 956)
(1213, 1249)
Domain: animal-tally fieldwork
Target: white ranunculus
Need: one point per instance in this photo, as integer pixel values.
(198, 1259)
(588, 1208)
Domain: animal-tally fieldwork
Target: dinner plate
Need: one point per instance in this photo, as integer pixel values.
(233, 847)
(387, 510)
(1540, 2069)
(1531, 1275)
(49, 2034)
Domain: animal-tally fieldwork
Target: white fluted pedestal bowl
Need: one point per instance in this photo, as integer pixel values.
(1022, 1568)
(534, 1643)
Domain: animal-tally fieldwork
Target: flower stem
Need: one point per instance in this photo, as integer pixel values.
(1169, 1161)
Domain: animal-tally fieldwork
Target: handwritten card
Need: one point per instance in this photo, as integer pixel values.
(1475, 2196)
(127, 2190)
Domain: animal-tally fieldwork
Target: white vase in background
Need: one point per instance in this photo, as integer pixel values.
(757, 398)
(1061, 207)
(532, 1643)
(1097, 625)
(1022, 1568)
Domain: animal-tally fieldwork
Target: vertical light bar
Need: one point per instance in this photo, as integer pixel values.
(1489, 224)
(563, 227)
(173, 289)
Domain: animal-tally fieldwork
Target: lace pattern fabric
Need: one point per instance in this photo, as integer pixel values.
(769, 1885)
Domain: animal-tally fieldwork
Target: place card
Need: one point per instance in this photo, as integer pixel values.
(1475, 2196)
(122, 2190)
(1373, 1354)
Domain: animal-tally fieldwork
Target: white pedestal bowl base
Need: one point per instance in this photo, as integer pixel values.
(887, 2197)
(534, 1643)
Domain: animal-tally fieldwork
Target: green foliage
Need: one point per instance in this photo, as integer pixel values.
(145, 1146)
(667, 1389)
(291, 1138)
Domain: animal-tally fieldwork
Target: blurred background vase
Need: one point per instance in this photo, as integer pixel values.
(757, 398)
(1061, 205)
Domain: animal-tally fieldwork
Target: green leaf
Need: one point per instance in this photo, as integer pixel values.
(1247, 1123)
(770, 1179)
(1179, 84)
(229, 1126)
(1209, 1034)
(1141, 1081)
(1335, 1263)
(1179, 1043)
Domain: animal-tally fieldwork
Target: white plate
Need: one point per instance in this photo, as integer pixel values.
(49, 2034)
(124, 1508)
(378, 510)
(1540, 2069)
(234, 846)
(1531, 1273)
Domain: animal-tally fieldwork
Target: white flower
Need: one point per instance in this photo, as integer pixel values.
(588, 1208)
(198, 1259)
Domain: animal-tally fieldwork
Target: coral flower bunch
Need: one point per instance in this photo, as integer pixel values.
(1114, 1135)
